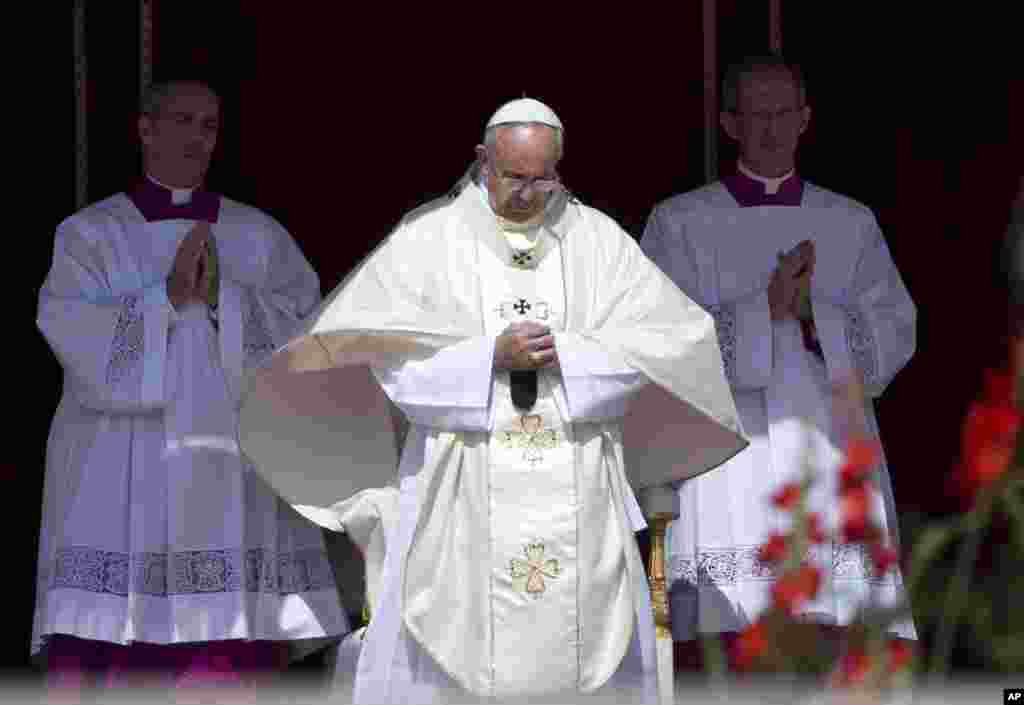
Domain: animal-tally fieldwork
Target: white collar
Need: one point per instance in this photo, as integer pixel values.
(178, 195)
(771, 184)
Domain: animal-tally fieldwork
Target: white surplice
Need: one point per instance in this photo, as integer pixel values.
(511, 567)
(155, 527)
(723, 256)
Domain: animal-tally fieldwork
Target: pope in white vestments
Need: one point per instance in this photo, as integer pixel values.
(156, 531)
(737, 247)
(518, 334)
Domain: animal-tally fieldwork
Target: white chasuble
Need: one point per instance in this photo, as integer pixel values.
(723, 256)
(155, 526)
(512, 567)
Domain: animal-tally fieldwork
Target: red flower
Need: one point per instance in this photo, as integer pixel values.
(884, 557)
(787, 496)
(900, 654)
(750, 644)
(989, 435)
(774, 550)
(861, 452)
(861, 455)
(790, 591)
(999, 388)
(814, 531)
(853, 668)
(853, 508)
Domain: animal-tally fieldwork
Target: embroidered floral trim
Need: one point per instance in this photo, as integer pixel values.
(191, 572)
(725, 326)
(531, 437)
(529, 574)
(256, 331)
(736, 564)
(129, 340)
(861, 343)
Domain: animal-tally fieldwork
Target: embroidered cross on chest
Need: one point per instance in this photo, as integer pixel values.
(522, 259)
(529, 574)
(531, 436)
(539, 310)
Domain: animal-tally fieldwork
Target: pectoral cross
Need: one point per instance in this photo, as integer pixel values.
(521, 307)
(522, 259)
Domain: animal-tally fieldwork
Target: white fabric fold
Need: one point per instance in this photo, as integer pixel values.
(753, 351)
(230, 324)
(449, 390)
(830, 323)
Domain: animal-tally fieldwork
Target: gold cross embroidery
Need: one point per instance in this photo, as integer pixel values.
(531, 437)
(529, 574)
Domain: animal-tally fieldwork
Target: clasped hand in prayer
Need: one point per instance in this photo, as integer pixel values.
(189, 278)
(789, 292)
(525, 345)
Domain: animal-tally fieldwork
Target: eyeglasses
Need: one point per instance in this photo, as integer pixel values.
(768, 115)
(518, 183)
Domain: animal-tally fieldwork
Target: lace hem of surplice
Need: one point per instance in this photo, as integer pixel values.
(190, 572)
(737, 564)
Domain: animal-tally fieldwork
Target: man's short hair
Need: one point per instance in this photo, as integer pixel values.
(758, 62)
(153, 98)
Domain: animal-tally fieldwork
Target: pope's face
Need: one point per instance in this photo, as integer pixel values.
(769, 121)
(179, 138)
(522, 154)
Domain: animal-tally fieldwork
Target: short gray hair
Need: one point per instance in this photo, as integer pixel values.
(751, 64)
(153, 98)
(491, 135)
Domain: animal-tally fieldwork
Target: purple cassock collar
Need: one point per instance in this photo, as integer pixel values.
(154, 202)
(750, 192)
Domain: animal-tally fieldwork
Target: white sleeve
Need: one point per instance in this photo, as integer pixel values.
(272, 314)
(450, 390)
(597, 383)
(873, 330)
(113, 348)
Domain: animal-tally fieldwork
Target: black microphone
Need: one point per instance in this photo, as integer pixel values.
(524, 388)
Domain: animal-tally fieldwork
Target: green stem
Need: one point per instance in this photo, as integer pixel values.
(714, 659)
(975, 522)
